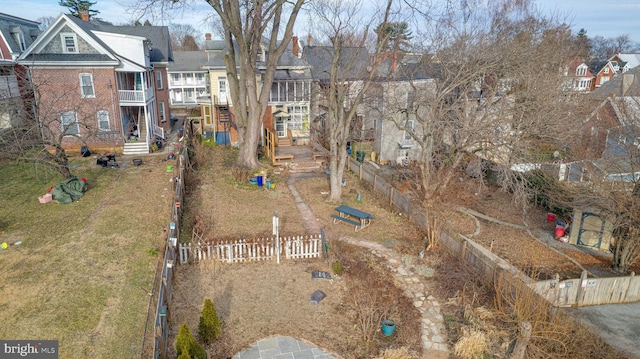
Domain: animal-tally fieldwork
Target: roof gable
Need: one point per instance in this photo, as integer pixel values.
(50, 49)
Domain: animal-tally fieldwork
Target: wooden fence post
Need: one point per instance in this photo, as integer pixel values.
(464, 250)
(391, 196)
(520, 347)
(581, 285)
(360, 171)
(375, 179)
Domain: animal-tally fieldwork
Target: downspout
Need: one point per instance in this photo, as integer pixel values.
(118, 120)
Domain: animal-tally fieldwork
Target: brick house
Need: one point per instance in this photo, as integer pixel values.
(579, 78)
(100, 85)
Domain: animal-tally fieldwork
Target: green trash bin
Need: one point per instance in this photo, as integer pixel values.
(360, 156)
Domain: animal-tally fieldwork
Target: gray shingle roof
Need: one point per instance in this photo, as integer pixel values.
(27, 26)
(319, 58)
(68, 57)
(188, 61)
(161, 50)
(157, 35)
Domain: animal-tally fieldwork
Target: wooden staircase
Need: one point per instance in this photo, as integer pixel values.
(225, 116)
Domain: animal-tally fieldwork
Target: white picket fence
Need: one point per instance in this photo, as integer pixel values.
(243, 250)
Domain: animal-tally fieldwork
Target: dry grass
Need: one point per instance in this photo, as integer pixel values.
(83, 271)
(471, 345)
(256, 300)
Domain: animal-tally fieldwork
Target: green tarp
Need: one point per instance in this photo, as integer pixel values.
(69, 190)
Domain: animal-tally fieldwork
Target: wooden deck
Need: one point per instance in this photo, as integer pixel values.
(305, 159)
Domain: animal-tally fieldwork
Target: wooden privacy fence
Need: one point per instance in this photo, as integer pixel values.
(243, 250)
(163, 286)
(572, 292)
(586, 291)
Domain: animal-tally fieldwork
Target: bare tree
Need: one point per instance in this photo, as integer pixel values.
(250, 28)
(245, 24)
(40, 132)
(45, 21)
(613, 187)
(345, 71)
(602, 48)
(494, 95)
(184, 37)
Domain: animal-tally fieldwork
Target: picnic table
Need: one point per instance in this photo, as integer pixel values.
(353, 216)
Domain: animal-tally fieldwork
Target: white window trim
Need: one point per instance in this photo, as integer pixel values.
(65, 49)
(108, 128)
(93, 90)
(63, 125)
(159, 79)
(606, 70)
(407, 134)
(163, 117)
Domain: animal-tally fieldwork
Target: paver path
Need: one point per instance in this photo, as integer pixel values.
(434, 340)
(282, 348)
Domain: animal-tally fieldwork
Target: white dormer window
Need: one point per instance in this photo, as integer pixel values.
(581, 71)
(69, 43)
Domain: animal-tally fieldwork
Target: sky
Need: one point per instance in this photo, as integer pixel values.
(607, 18)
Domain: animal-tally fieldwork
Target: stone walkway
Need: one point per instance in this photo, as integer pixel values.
(282, 348)
(434, 339)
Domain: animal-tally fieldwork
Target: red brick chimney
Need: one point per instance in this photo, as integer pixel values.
(309, 40)
(207, 36)
(84, 15)
(296, 47)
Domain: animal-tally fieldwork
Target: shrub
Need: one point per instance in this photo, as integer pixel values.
(185, 342)
(338, 268)
(210, 327)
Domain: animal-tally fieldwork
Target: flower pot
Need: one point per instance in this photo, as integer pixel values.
(388, 326)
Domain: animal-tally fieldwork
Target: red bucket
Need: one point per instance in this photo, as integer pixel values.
(551, 217)
(559, 232)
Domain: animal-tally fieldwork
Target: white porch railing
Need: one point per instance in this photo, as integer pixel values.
(130, 96)
(158, 131)
(252, 250)
(135, 96)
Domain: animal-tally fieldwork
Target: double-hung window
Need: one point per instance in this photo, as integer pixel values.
(103, 121)
(162, 112)
(69, 43)
(408, 131)
(70, 125)
(86, 85)
(159, 79)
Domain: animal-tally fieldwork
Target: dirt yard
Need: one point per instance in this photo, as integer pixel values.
(261, 299)
(257, 300)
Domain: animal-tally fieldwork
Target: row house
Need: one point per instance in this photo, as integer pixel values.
(188, 81)
(16, 98)
(287, 115)
(100, 85)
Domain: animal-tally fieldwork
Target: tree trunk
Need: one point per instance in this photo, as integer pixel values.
(337, 164)
(248, 147)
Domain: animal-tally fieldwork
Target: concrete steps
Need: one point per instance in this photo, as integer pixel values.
(136, 148)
